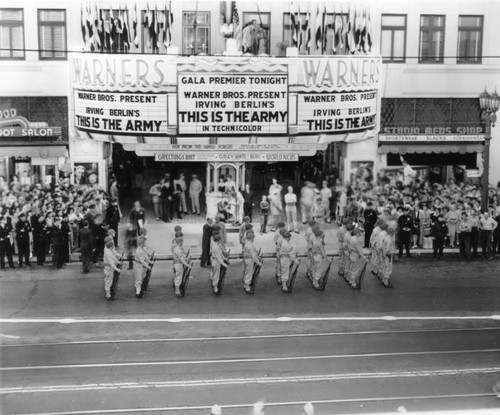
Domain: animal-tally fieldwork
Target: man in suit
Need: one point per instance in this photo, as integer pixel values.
(205, 243)
(57, 243)
(247, 201)
(85, 246)
(195, 188)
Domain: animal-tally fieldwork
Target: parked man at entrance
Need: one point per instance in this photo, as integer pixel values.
(195, 188)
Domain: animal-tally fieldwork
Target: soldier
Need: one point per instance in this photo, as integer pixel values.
(373, 244)
(39, 234)
(318, 255)
(142, 261)
(218, 261)
(5, 247)
(357, 260)
(278, 238)
(205, 243)
(405, 229)
(384, 244)
(346, 253)
(243, 229)
(23, 229)
(85, 246)
(250, 257)
(180, 260)
(309, 233)
(340, 237)
(110, 265)
(287, 256)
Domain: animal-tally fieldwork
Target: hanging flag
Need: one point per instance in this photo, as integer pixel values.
(308, 29)
(368, 42)
(295, 24)
(300, 28)
(362, 31)
(235, 21)
(325, 30)
(97, 38)
(171, 22)
(157, 28)
(351, 43)
(88, 23)
(165, 24)
(125, 28)
(147, 20)
(83, 25)
(357, 27)
(319, 29)
(152, 27)
(134, 27)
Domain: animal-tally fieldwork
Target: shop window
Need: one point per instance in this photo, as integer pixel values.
(470, 39)
(256, 32)
(393, 38)
(431, 48)
(195, 33)
(52, 34)
(11, 34)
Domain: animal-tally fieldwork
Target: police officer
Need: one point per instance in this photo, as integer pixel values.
(5, 247)
(57, 244)
(250, 258)
(39, 226)
(180, 261)
(23, 229)
(405, 228)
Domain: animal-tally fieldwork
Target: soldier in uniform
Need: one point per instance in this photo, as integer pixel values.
(180, 260)
(340, 237)
(218, 261)
(374, 249)
(243, 229)
(357, 260)
(143, 263)
(405, 229)
(5, 247)
(39, 234)
(23, 229)
(286, 256)
(307, 235)
(318, 255)
(346, 252)
(278, 238)
(110, 265)
(384, 245)
(250, 257)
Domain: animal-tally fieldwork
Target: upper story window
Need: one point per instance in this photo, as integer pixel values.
(156, 31)
(195, 33)
(393, 38)
(256, 33)
(470, 39)
(52, 34)
(11, 34)
(431, 48)
(295, 37)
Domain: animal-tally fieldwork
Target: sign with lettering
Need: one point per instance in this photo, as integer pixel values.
(429, 138)
(337, 112)
(228, 147)
(428, 130)
(225, 156)
(121, 113)
(232, 103)
(13, 125)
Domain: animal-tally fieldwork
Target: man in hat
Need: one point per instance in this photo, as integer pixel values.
(370, 218)
(218, 261)
(195, 188)
(250, 257)
(5, 247)
(439, 232)
(143, 263)
(180, 261)
(465, 229)
(487, 225)
(405, 228)
(287, 256)
(291, 210)
(57, 243)
(110, 265)
(23, 229)
(205, 243)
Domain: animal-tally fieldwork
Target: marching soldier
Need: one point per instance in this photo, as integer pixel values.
(384, 244)
(374, 250)
(318, 255)
(111, 262)
(307, 235)
(340, 237)
(5, 247)
(278, 238)
(218, 261)
(180, 260)
(23, 229)
(142, 261)
(346, 253)
(287, 256)
(250, 257)
(357, 260)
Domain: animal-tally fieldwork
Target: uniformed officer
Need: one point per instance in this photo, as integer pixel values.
(143, 263)
(405, 229)
(5, 247)
(250, 257)
(23, 229)
(180, 261)
(218, 261)
(318, 255)
(110, 265)
(374, 249)
(287, 256)
(39, 227)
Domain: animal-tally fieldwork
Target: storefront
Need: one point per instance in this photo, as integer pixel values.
(223, 110)
(441, 138)
(33, 139)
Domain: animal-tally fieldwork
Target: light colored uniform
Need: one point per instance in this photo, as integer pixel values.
(385, 256)
(141, 260)
(318, 255)
(180, 259)
(357, 260)
(278, 239)
(347, 260)
(110, 262)
(217, 261)
(195, 188)
(308, 236)
(374, 249)
(291, 211)
(340, 237)
(286, 257)
(250, 257)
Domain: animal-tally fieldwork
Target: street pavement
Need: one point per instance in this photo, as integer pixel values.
(431, 342)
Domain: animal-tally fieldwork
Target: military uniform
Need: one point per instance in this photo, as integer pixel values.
(318, 255)
(110, 266)
(141, 259)
(340, 237)
(23, 229)
(384, 247)
(286, 256)
(250, 257)
(405, 229)
(180, 260)
(5, 247)
(218, 260)
(374, 249)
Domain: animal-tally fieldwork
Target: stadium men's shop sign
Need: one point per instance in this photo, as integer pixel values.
(233, 102)
(13, 125)
(429, 138)
(121, 113)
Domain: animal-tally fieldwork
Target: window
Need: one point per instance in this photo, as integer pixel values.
(256, 32)
(195, 33)
(288, 40)
(52, 34)
(470, 39)
(155, 37)
(11, 34)
(393, 38)
(337, 41)
(431, 39)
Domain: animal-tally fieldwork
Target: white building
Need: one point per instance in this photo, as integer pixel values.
(438, 56)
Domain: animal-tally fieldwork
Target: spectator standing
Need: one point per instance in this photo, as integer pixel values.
(276, 208)
(166, 197)
(487, 225)
(291, 210)
(5, 247)
(195, 189)
(205, 243)
(180, 187)
(248, 201)
(112, 218)
(326, 195)
(264, 212)
(85, 246)
(155, 193)
(465, 228)
(57, 244)
(137, 216)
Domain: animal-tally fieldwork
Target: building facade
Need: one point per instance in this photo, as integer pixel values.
(240, 83)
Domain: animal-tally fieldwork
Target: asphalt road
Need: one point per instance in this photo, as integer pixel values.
(432, 342)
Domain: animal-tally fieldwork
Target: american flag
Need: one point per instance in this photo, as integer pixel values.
(235, 20)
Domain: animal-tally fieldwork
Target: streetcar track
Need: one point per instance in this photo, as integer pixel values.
(243, 360)
(251, 337)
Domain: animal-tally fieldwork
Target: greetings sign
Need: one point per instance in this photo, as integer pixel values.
(121, 113)
(232, 101)
(337, 112)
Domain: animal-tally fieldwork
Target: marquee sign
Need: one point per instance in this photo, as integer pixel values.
(227, 156)
(232, 101)
(121, 113)
(13, 125)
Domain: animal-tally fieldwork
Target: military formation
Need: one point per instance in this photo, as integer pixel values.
(352, 261)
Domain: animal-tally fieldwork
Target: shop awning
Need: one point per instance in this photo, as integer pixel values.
(403, 148)
(33, 151)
